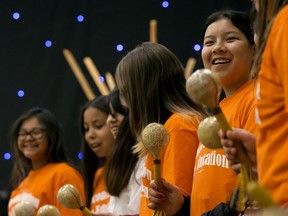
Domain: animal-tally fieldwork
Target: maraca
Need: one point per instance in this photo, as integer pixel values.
(155, 137)
(208, 132)
(204, 88)
(69, 196)
(48, 210)
(24, 208)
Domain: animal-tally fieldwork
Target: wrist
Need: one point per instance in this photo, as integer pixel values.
(184, 207)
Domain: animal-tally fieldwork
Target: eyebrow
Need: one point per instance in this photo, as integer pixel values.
(97, 120)
(226, 33)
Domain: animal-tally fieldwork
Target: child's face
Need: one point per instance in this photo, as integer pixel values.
(33, 141)
(227, 52)
(97, 133)
(114, 121)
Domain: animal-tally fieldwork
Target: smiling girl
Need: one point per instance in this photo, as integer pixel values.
(40, 164)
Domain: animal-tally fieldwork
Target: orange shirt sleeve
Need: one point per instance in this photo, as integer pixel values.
(272, 116)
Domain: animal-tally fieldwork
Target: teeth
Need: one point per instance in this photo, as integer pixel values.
(95, 145)
(221, 61)
(30, 146)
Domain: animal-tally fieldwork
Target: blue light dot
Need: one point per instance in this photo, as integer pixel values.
(48, 43)
(80, 18)
(197, 47)
(7, 156)
(119, 47)
(80, 155)
(165, 4)
(16, 15)
(101, 78)
(20, 93)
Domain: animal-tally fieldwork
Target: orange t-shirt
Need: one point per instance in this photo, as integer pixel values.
(100, 197)
(177, 161)
(41, 186)
(272, 111)
(214, 180)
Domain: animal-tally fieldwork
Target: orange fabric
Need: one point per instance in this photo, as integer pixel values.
(177, 161)
(214, 179)
(100, 197)
(40, 187)
(272, 111)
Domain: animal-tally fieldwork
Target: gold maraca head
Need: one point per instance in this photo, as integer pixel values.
(48, 210)
(155, 137)
(69, 196)
(203, 87)
(24, 208)
(208, 132)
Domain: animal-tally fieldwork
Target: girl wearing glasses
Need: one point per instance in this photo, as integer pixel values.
(40, 164)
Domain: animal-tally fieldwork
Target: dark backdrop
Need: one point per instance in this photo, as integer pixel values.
(43, 73)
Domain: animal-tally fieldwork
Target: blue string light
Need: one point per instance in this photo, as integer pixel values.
(102, 79)
(7, 156)
(20, 93)
(80, 18)
(197, 47)
(80, 155)
(48, 43)
(165, 4)
(16, 16)
(119, 47)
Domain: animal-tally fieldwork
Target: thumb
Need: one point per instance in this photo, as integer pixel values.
(169, 187)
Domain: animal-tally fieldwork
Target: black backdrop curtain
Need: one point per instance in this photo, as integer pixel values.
(43, 73)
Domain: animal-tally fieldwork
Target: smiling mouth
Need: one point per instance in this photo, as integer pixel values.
(95, 146)
(220, 61)
(26, 146)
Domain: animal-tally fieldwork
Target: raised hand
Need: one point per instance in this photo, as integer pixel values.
(171, 201)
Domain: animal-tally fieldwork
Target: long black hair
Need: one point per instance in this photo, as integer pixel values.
(121, 164)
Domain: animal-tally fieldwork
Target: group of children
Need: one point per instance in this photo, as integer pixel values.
(118, 171)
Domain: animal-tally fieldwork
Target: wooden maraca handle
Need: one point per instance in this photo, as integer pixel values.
(158, 181)
(85, 211)
(222, 121)
(157, 174)
(243, 157)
